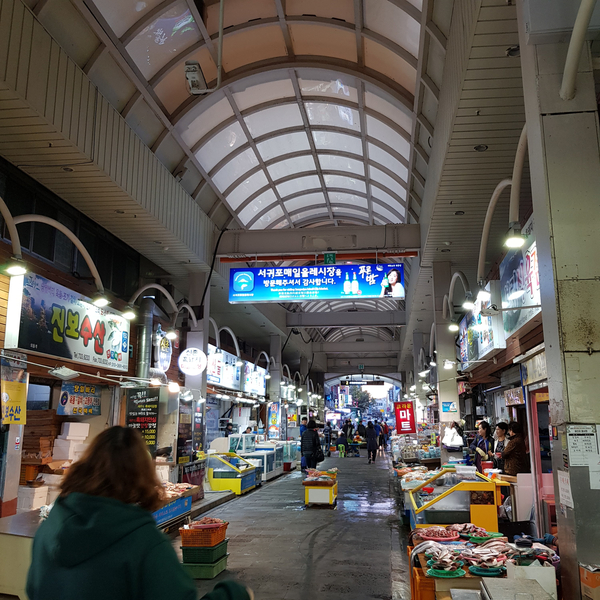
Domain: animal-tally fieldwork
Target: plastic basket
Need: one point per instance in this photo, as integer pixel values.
(446, 574)
(203, 537)
(486, 572)
(198, 554)
(196, 571)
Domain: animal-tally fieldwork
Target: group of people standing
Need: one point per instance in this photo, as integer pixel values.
(506, 449)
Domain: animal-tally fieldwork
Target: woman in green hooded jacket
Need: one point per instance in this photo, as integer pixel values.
(100, 540)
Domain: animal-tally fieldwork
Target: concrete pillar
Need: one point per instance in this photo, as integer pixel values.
(275, 369)
(564, 157)
(197, 337)
(446, 351)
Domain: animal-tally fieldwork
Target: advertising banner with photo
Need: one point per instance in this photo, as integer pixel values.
(480, 336)
(79, 399)
(302, 284)
(520, 284)
(273, 422)
(47, 318)
(405, 417)
(255, 381)
(221, 369)
(14, 388)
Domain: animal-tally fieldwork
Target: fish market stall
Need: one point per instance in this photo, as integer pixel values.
(230, 472)
(320, 487)
(460, 495)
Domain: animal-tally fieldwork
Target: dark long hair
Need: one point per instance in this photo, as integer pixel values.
(116, 465)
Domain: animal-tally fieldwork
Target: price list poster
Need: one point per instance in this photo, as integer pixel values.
(142, 413)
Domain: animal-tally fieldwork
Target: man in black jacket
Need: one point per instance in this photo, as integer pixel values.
(309, 443)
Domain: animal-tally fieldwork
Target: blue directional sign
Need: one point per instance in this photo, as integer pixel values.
(304, 284)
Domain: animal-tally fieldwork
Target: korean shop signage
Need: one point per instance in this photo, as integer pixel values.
(520, 284)
(142, 413)
(514, 396)
(79, 399)
(14, 388)
(405, 417)
(534, 369)
(302, 284)
(47, 318)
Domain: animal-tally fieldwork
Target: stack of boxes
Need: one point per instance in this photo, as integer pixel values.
(70, 444)
(38, 436)
(204, 551)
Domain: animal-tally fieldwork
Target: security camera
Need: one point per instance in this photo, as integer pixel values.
(195, 78)
(491, 311)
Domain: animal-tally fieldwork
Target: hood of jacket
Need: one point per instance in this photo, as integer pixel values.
(82, 526)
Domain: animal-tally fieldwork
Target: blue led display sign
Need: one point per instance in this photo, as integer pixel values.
(303, 284)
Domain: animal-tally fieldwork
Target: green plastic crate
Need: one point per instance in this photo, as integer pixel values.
(196, 571)
(203, 555)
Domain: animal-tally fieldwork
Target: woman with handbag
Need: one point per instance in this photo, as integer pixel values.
(310, 445)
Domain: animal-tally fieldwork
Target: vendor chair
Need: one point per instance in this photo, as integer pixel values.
(342, 450)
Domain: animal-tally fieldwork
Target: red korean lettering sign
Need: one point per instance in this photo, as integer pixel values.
(405, 417)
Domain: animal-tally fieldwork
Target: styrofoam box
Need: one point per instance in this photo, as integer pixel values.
(51, 479)
(69, 452)
(32, 498)
(31, 492)
(66, 443)
(74, 438)
(75, 429)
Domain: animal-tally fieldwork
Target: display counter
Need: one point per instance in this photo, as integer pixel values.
(467, 501)
(229, 471)
(290, 455)
(276, 447)
(267, 462)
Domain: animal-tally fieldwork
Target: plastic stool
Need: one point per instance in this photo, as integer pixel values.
(342, 450)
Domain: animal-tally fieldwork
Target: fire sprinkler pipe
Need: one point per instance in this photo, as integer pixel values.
(568, 88)
(280, 257)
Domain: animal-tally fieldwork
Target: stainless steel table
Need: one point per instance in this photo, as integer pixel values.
(505, 589)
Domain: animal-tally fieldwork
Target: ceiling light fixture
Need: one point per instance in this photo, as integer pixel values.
(171, 334)
(432, 363)
(155, 381)
(129, 313)
(15, 267)
(515, 239)
(424, 373)
(480, 148)
(453, 327)
(484, 296)
(448, 364)
(239, 362)
(267, 375)
(468, 304)
(100, 300)
(64, 373)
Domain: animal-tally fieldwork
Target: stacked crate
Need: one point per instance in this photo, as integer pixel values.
(204, 551)
(41, 429)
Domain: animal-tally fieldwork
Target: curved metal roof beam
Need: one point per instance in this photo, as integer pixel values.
(325, 63)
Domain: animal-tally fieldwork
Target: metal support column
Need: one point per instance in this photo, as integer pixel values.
(564, 157)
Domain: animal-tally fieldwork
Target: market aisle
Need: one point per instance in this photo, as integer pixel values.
(284, 551)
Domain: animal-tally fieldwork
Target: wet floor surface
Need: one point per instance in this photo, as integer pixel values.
(284, 551)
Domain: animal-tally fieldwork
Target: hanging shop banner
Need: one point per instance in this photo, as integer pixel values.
(303, 284)
(520, 284)
(255, 381)
(142, 413)
(449, 408)
(192, 362)
(480, 336)
(534, 369)
(163, 349)
(405, 417)
(79, 399)
(221, 369)
(14, 388)
(514, 396)
(47, 318)
(273, 421)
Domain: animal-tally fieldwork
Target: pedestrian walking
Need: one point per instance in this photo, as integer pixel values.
(101, 541)
(361, 429)
(310, 444)
(371, 442)
(327, 437)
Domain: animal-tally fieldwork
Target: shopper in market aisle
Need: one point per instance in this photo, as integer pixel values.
(348, 429)
(482, 444)
(371, 442)
(515, 453)
(327, 437)
(303, 425)
(499, 445)
(309, 444)
(361, 429)
(100, 540)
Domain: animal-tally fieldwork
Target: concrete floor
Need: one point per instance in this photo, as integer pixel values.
(284, 551)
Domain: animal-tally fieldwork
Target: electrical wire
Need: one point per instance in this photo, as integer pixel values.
(287, 339)
(212, 266)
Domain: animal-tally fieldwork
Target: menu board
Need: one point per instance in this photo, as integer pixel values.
(184, 434)
(142, 413)
(255, 381)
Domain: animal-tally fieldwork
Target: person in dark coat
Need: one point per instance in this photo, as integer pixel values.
(100, 540)
(482, 445)
(327, 431)
(309, 444)
(515, 452)
(361, 429)
(371, 442)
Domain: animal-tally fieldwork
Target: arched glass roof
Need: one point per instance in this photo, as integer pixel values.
(313, 122)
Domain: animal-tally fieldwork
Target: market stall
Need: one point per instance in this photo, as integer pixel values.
(229, 471)
(176, 505)
(320, 487)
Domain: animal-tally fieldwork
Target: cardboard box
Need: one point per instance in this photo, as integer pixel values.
(590, 584)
